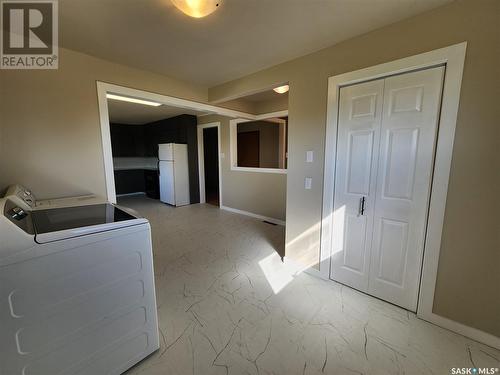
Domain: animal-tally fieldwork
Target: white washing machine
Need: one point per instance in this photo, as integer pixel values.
(77, 291)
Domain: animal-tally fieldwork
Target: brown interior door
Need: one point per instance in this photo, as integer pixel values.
(248, 149)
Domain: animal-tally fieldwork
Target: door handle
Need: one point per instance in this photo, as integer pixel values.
(361, 206)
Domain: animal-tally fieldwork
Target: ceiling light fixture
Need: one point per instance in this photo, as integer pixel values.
(197, 8)
(132, 100)
(281, 89)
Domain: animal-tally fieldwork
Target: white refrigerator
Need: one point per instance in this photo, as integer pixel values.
(174, 174)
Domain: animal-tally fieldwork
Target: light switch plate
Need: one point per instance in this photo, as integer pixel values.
(309, 156)
(308, 183)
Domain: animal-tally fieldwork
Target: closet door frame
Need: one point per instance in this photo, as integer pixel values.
(452, 58)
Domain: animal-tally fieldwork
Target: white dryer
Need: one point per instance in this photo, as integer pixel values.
(77, 291)
(27, 200)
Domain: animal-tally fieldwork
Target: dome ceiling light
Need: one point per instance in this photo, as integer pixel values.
(281, 89)
(197, 8)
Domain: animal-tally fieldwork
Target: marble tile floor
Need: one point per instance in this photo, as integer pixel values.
(227, 305)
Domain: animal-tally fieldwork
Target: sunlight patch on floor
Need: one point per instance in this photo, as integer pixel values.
(278, 273)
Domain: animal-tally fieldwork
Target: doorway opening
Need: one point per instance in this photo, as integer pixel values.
(211, 162)
(209, 156)
(144, 110)
(154, 150)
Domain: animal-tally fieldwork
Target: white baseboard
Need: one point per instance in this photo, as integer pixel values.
(251, 214)
(130, 194)
(462, 329)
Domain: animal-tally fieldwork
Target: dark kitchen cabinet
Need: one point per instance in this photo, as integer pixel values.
(129, 181)
(127, 140)
(152, 184)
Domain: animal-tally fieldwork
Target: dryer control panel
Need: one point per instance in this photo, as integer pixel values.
(21, 196)
(18, 216)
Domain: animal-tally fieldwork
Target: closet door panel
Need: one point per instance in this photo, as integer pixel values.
(407, 142)
(357, 147)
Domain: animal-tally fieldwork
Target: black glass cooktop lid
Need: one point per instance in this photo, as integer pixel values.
(57, 219)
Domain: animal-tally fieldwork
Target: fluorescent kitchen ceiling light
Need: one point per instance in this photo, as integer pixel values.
(281, 89)
(132, 100)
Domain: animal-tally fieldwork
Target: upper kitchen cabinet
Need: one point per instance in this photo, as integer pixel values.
(171, 130)
(127, 140)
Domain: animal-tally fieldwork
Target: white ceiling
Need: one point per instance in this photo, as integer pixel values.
(138, 114)
(241, 37)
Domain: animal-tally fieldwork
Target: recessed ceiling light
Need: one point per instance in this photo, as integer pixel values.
(197, 8)
(281, 89)
(132, 100)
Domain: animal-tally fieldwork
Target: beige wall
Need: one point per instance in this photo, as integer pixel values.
(239, 105)
(268, 106)
(256, 192)
(50, 136)
(259, 107)
(468, 276)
